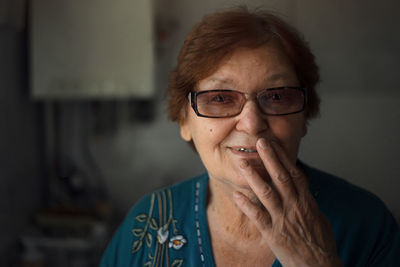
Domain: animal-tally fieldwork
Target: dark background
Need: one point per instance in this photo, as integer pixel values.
(123, 148)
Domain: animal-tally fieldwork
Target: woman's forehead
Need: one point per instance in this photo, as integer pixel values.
(265, 65)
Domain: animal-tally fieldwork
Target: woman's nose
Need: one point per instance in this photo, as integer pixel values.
(251, 120)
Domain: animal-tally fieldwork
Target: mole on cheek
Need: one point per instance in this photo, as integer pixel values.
(211, 130)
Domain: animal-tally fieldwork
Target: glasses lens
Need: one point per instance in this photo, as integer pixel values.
(219, 103)
(281, 100)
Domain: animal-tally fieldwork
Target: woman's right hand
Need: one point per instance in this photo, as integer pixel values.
(291, 223)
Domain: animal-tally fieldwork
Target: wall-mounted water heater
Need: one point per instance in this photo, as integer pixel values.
(91, 49)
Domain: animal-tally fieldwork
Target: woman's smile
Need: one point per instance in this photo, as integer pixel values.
(233, 138)
(244, 151)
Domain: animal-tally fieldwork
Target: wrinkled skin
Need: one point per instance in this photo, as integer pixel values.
(291, 223)
(263, 189)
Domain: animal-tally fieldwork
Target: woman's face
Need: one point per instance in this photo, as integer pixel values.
(217, 140)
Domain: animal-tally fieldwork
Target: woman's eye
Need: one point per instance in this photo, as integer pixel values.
(218, 98)
(273, 97)
(212, 98)
(276, 97)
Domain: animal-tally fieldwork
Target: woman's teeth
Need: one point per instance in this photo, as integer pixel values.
(247, 150)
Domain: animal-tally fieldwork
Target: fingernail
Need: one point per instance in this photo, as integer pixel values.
(244, 163)
(262, 143)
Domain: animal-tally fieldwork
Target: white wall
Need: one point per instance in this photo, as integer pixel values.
(356, 45)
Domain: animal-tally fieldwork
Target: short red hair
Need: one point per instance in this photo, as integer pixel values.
(218, 35)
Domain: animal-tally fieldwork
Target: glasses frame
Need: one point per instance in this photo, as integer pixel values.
(192, 96)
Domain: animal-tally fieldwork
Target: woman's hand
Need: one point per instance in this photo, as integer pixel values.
(291, 223)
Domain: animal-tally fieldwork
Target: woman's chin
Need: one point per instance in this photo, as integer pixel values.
(259, 167)
(234, 180)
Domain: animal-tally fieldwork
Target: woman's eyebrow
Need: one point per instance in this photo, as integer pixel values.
(229, 82)
(213, 81)
(221, 80)
(279, 77)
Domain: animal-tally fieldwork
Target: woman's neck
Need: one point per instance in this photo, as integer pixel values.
(226, 220)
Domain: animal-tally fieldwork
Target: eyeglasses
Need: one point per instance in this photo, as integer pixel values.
(229, 103)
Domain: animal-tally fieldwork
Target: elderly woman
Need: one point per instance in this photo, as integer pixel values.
(242, 93)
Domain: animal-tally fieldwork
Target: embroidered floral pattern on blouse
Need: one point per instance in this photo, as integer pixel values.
(161, 228)
(162, 236)
(177, 242)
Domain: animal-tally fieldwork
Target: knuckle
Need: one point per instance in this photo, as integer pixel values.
(262, 219)
(259, 215)
(295, 173)
(282, 178)
(266, 191)
(299, 177)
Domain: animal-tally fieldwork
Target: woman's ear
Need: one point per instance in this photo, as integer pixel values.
(186, 133)
(305, 129)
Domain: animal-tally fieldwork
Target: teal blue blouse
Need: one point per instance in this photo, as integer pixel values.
(169, 227)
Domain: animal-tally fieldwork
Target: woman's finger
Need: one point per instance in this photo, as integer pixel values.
(260, 217)
(279, 175)
(298, 178)
(266, 194)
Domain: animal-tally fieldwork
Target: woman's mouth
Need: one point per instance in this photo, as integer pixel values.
(242, 149)
(245, 151)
